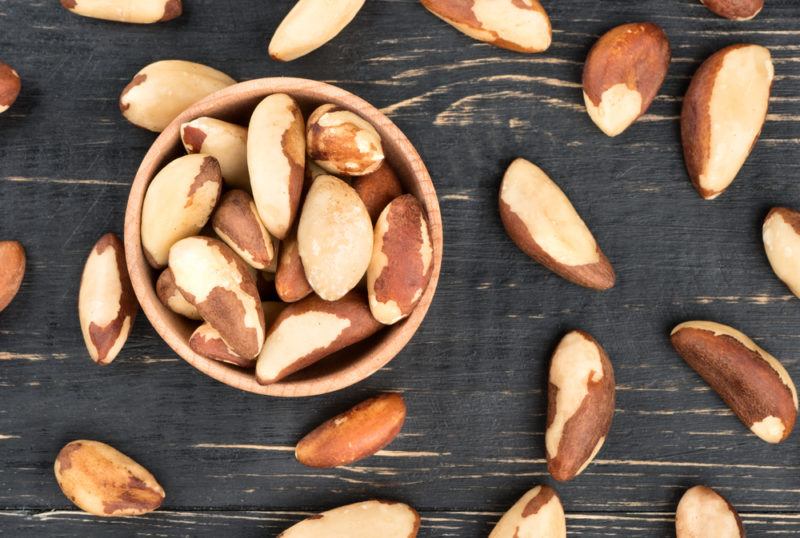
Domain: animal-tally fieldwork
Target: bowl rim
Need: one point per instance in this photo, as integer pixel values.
(144, 285)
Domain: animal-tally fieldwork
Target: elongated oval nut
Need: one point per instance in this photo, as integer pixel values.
(334, 237)
(342, 142)
(752, 382)
(237, 223)
(103, 481)
(178, 203)
(217, 282)
(738, 10)
(623, 73)
(518, 25)
(291, 283)
(310, 330)
(106, 303)
(377, 189)
(276, 158)
(401, 263)
(540, 219)
(138, 11)
(704, 513)
(580, 404)
(723, 113)
(162, 90)
(309, 25)
(226, 142)
(12, 271)
(538, 513)
(171, 297)
(368, 519)
(207, 341)
(356, 434)
(781, 235)
(10, 86)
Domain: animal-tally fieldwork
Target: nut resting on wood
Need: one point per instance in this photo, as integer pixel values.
(738, 10)
(781, 235)
(752, 382)
(10, 86)
(12, 270)
(138, 11)
(704, 513)
(103, 481)
(542, 222)
(106, 303)
(580, 404)
(538, 513)
(351, 436)
(368, 519)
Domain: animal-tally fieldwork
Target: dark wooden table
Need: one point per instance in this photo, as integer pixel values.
(474, 375)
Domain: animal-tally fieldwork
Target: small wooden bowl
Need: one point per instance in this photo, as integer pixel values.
(235, 104)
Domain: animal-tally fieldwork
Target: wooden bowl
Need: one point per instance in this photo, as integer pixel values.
(235, 104)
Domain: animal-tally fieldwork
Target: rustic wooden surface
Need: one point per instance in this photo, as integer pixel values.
(474, 374)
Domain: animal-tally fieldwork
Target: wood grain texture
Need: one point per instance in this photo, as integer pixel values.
(474, 376)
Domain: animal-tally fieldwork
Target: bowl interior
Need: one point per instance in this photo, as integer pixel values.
(235, 104)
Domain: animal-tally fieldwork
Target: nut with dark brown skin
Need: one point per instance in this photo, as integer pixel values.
(704, 513)
(580, 404)
(752, 382)
(542, 222)
(538, 513)
(10, 86)
(226, 142)
(738, 10)
(310, 330)
(107, 305)
(12, 270)
(138, 12)
(103, 481)
(402, 255)
(368, 519)
(723, 112)
(342, 142)
(781, 235)
(206, 341)
(222, 288)
(377, 189)
(521, 26)
(354, 435)
(623, 73)
(171, 297)
(237, 223)
(291, 283)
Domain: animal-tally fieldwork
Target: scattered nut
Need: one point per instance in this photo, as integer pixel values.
(12, 271)
(309, 25)
(162, 90)
(580, 404)
(738, 10)
(207, 341)
(310, 330)
(276, 157)
(291, 283)
(106, 303)
(623, 73)
(342, 142)
(723, 113)
(171, 297)
(781, 234)
(103, 481)
(518, 25)
(377, 189)
(703, 513)
(218, 283)
(226, 142)
(752, 382)
(237, 223)
(354, 435)
(368, 519)
(138, 12)
(10, 85)
(178, 203)
(334, 237)
(400, 268)
(540, 219)
(537, 514)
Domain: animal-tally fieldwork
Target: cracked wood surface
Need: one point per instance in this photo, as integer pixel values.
(474, 376)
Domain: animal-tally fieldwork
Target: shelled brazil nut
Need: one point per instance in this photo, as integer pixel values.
(538, 513)
(139, 12)
(367, 519)
(10, 86)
